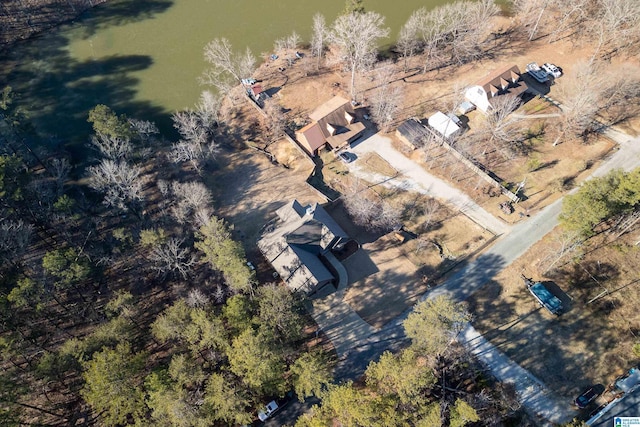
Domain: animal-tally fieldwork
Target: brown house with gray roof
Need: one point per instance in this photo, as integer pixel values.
(333, 123)
(296, 245)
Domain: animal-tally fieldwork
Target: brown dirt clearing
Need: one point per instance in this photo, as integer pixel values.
(589, 343)
(248, 189)
(387, 275)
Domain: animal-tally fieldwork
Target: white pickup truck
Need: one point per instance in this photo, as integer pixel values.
(537, 73)
(268, 410)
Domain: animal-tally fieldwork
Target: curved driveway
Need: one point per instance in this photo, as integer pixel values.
(359, 344)
(413, 177)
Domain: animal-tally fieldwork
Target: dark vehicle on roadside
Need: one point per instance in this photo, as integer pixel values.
(586, 397)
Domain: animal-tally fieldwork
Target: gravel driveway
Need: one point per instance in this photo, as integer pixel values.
(413, 177)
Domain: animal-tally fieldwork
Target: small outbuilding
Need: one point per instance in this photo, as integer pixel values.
(444, 125)
(413, 133)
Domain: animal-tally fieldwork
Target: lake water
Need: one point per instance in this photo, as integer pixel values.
(143, 57)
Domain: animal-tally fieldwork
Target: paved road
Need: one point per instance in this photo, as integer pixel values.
(413, 177)
(359, 344)
(467, 279)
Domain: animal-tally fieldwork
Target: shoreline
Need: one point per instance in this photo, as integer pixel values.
(17, 26)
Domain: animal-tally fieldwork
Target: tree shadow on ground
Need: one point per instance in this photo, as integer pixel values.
(57, 91)
(565, 352)
(359, 265)
(470, 276)
(360, 233)
(248, 189)
(38, 17)
(316, 179)
(546, 165)
(586, 277)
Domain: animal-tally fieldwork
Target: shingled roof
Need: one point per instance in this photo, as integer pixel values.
(296, 242)
(503, 81)
(333, 122)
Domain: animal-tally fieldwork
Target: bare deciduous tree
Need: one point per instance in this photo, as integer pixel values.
(564, 244)
(193, 152)
(459, 29)
(145, 129)
(208, 108)
(386, 100)
(291, 42)
(619, 24)
(192, 199)
(470, 25)
(388, 217)
(569, 17)
(360, 207)
(530, 14)
(581, 92)
(194, 194)
(596, 88)
(201, 216)
(189, 124)
(163, 187)
(14, 239)
(620, 98)
(226, 64)
(429, 210)
(197, 299)
(421, 243)
(501, 126)
(274, 121)
(356, 36)
(59, 170)
(432, 28)
(197, 144)
(119, 181)
(319, 37)
(369, 211)
(408, 43)
(112, 147)
(171, 257)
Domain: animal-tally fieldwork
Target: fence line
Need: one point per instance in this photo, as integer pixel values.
(481, 172)
(286, 135)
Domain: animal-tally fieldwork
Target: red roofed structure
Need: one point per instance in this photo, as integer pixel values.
(333, 123)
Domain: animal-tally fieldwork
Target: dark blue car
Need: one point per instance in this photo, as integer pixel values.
(586, 397)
